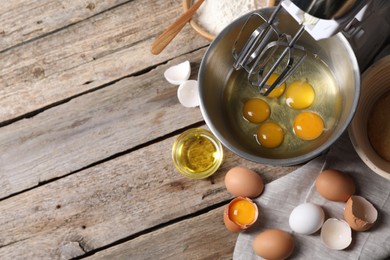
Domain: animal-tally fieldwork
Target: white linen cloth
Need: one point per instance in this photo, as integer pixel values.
(280, 197)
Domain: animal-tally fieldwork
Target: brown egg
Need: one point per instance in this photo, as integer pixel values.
(243, 182)
(359, 213)
(240, 214)
(274, 244)
(335, 185)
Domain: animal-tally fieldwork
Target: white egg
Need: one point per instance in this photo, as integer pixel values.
(306, 218)
(188, 93)
(336, 234)
(179, 73)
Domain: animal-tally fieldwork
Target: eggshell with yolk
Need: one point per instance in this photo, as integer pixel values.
(230, 225)
(230, 211)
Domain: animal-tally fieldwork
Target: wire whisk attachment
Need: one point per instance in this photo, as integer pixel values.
(261, 50)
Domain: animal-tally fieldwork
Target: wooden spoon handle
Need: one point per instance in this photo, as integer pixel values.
(166, 37)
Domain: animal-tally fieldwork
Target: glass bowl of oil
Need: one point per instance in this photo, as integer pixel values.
(197, 154)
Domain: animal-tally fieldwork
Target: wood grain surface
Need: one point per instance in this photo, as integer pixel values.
(92, 127)
(87, 122)
(111, 201)
(26, 20)
(203, 231)
(82, 57)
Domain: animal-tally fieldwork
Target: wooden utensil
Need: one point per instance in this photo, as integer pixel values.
(167, 36)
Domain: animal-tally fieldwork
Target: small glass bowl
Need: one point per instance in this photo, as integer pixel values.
(197, 154)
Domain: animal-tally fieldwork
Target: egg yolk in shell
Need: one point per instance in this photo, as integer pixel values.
(270, 135)
(308, 125)
(278, 91)
(300, 95)
(256, 110)
(242, 212)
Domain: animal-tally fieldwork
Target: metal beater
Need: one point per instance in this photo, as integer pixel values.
(267, 50)
(257, 53)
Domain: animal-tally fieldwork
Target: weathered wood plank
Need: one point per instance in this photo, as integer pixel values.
(24, 20)
(201, 237)
(89, 54)
(111, 201)
(91, 128)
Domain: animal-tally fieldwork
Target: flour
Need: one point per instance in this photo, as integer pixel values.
(214, 15)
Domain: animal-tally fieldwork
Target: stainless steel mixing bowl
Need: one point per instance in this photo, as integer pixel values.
(216, 68)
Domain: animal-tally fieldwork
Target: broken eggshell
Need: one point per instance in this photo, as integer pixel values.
(230, 225)
(188, 93)
(336, 234)
(179, 73)
(359, 213)
(240, 214)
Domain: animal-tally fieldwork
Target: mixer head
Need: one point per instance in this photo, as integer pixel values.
(267, 51)
(262, 50)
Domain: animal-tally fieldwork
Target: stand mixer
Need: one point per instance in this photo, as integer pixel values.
(366, 25)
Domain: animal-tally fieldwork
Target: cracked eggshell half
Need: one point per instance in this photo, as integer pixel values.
(179, 73)
(359, 213)
(230, 225)
(336, 234)
(188, 93)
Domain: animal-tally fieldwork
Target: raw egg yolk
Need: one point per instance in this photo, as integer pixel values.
(270, 135)
(308, 125)
(278, 91)
(256, 110)
(300, 95)
(242, 212)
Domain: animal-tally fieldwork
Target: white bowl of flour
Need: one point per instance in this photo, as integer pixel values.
(214, 15)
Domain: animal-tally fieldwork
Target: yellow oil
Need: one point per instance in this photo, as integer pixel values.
(198, 153)
(327, 104)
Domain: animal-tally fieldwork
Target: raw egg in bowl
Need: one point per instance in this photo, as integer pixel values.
(302, 117)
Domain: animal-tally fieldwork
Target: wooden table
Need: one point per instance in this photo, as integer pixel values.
(87, 122)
